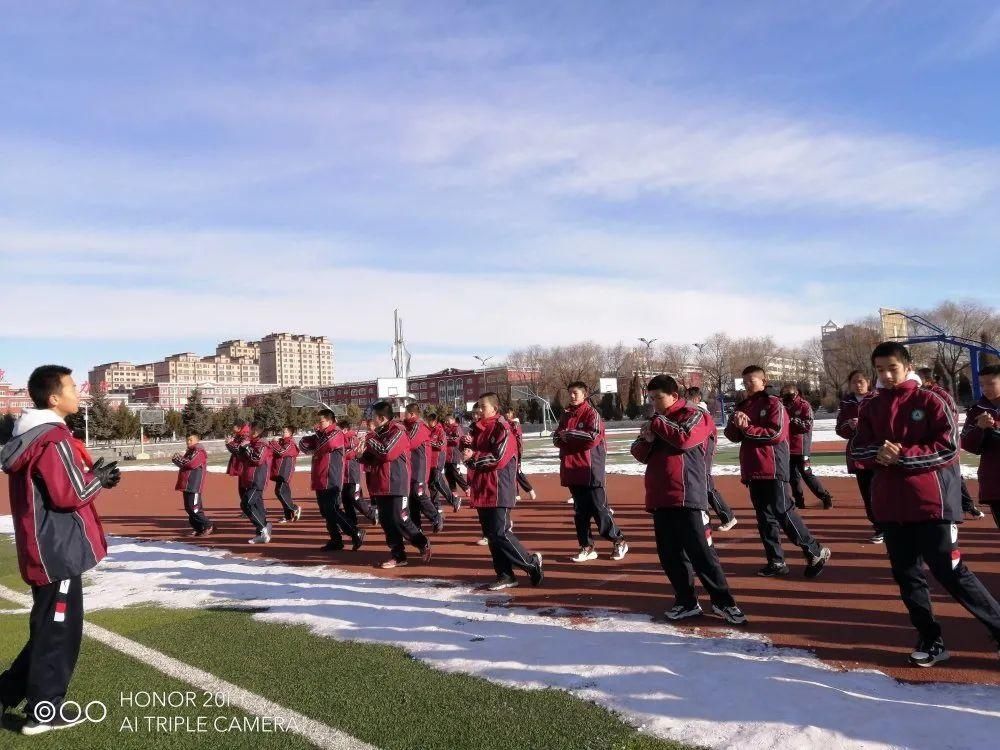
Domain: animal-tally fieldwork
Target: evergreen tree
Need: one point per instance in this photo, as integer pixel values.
(635, 396)
(223, 420)
(102, 417)
(195, 417)
(125, 423)
(273, 411)
(175, 423)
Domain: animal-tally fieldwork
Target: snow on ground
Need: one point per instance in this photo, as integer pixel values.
(734, 690)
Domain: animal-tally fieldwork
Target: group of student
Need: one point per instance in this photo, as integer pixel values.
(903, 447)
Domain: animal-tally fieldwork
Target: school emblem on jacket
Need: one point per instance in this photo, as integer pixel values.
(763, 412)
(917, 414)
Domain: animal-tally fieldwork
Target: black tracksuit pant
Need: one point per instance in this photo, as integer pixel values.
(967, 502)
(283, 491)
(352, 503)
(864, 477)
(522, 480)
(801, 471)
(337, 521)
(196, 511)
(394, 518)
(455, 478)
(42, 671)
(718, 503)
(936, 544)
(252, 505)
(995, 509)
(505, 548)
(591, 504)
(776, 513)
(439, 488)
(420, 504)
(684, 546)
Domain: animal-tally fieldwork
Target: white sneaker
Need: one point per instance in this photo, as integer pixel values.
(532, 495)
(586, 554)
(483, 542)
(569, 502)
(682, 612)
(728, 524)
(620, 550)
(517, 498)
(264, 537)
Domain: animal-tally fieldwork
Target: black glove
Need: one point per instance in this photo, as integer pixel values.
(97, 465)
(108, 475)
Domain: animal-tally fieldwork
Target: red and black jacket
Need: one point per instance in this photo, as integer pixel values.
(352, 469)
(419, 435)
(925, 485)
(327, 448)
(455, 434)
(847, 423)
(193, 467)
(800, 426)
(986, 445)
(255, 456)
(233, 443)
(764, 445)
(439, 446)
(515, 429)
(57, 531)
(284, 451)
(386, 461)
(493, 465)
(582, 446)
(677, 458)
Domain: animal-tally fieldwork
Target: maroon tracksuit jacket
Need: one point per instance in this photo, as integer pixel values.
(847, 423)
(439, 446)
(57, 531)
(455, 434)
(233, 443)
(192, 469)
(515, 429)
(493, 465)
(676, 473)
(327, 448)
(926, 483)
(764, 446)
(256, 462)
(352, 469)
(986, 444)
(800, 426)
(386, 461)
(582, 446)
(284, 451)
(419, 435)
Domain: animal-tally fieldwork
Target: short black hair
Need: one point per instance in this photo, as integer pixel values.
(580, 385)
(241, 423)
(382, 409)
(290, 427)
(413, 408)
(492, 398)
(326, 414)
(694, 392)
(926, 373)
(194, 433)
(891, 349)
(46, 381)
(753, 370)
(989, 371)
(851, 375)
(790, 387)
(344, 424)
(432, 416)
(664, 384)
(257, 426)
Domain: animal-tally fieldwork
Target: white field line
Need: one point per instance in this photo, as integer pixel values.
(321, 735)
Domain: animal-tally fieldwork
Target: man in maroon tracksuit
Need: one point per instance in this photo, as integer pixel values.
(240, 435)
(909, 437)
(515, 428)
(58, 536)
(328, 447)
(350, 496)
(929, 382)
(454, 456)
(981, 436)
(255, 458)
(385, 456)
(760, 426)
(718, 504)
(847, 427)
(491, 456)
(419, 497)
(284, 451)
(582, 450)
(674, 447)
(192, 468)
(800, 428)
(439, 453)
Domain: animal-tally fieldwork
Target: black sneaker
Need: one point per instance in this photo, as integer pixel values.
(438, 526)
(800, 504)
(536, 573)
(683, 611)
(733, 615)
(816, 564)
(456, 503)
(503, 582)
(358, 539)
(877, 538)
(827, 502)
(332, 546)
(32, 727)
(773, 571)
(928, 653)
(975, 512)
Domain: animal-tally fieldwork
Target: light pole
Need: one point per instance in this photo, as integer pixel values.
(482, 361)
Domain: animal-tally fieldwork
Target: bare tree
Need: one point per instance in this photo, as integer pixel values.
(965, 319)
(715, 361)
(671, 359)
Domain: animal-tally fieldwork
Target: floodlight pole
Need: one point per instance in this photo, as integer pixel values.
(86, 425)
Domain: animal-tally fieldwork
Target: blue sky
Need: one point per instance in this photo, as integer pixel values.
(175, 174)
